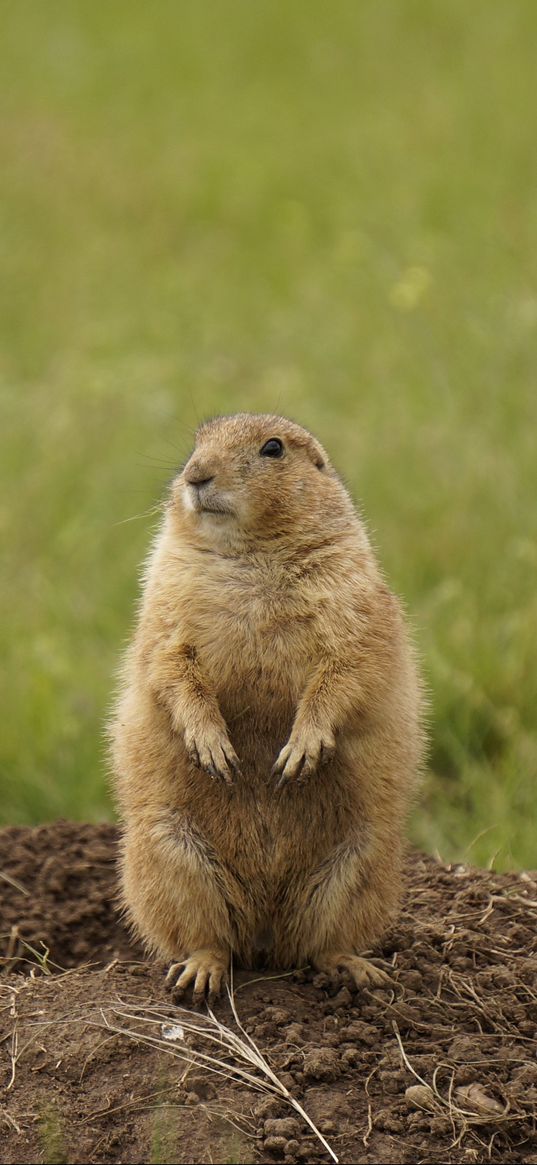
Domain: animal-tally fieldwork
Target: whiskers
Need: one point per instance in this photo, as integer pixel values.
(156, 509)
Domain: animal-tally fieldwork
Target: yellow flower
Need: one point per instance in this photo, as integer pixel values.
(410, 288)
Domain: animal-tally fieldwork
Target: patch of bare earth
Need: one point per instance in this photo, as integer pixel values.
(98, 1065)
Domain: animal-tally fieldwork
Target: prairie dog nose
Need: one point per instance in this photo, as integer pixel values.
(197, 474)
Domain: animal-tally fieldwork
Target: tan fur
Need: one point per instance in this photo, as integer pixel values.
(266, 638)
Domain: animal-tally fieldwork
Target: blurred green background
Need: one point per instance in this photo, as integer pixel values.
(324, 210)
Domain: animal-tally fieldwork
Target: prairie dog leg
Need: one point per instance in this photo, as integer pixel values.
(332, 691)
(337, 911)
(185, 904)
(177, 678)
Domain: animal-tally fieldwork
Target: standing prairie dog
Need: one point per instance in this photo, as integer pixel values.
(267, 736)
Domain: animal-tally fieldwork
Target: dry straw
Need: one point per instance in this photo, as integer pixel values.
(228, 1053)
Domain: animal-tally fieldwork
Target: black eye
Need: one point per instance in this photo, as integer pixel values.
(272, 448)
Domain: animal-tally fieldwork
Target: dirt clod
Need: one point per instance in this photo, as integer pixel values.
(285, 1127)
(322, 1064)
(275, 1144)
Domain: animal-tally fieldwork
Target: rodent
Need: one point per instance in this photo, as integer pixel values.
(268, 732)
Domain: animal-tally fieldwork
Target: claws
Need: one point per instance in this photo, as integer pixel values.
(300, 758)
(217, 757)
(205, 970)
(362, 971)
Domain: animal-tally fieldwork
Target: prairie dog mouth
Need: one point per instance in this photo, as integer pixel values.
(219, 511)
(203, 500)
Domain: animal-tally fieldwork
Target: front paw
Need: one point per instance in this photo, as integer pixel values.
(303, 754)
(212, 751)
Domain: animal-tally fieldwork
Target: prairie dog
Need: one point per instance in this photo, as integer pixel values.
(267, 735)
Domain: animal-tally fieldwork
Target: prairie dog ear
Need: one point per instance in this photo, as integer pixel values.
(316, 453)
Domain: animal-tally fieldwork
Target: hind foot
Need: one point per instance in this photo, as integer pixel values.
(364, 973)
(206, 969)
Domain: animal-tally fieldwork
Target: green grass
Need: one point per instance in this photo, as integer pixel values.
(326, 210)
(52, 1136)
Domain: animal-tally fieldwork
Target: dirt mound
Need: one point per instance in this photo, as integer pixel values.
(59, 891)
(98, 1065)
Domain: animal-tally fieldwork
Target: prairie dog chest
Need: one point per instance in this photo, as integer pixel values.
(254, 625)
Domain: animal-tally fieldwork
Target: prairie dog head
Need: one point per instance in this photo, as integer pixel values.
(257, 478)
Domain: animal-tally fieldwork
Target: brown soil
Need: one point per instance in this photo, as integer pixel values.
(441, 1068)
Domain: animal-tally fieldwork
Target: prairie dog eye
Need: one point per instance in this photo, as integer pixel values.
(272, 448)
